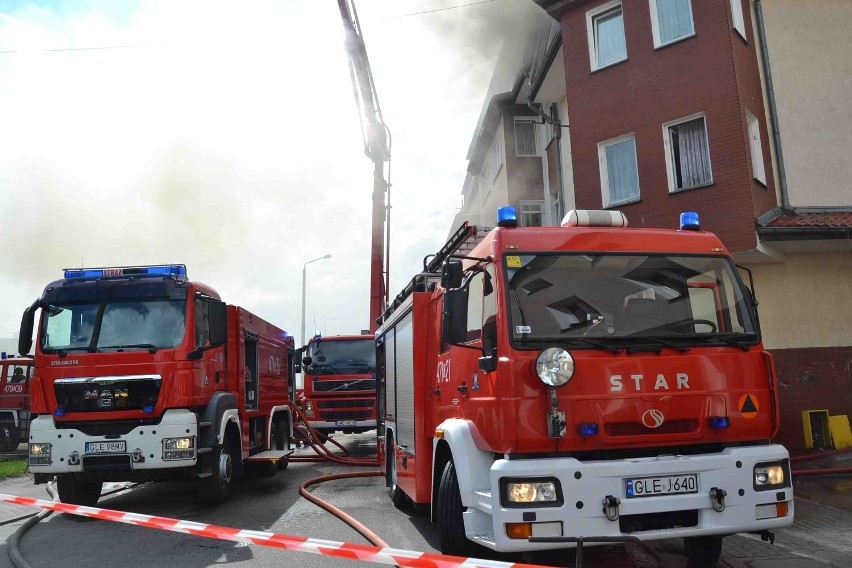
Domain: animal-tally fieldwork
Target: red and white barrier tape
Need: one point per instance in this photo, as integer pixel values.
(351, 551)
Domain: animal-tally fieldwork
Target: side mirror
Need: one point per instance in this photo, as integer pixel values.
(488, 363)
(306, 361)
(218, 323)
(297, 368)
(454, 316)
(25, 335)
(452, 274)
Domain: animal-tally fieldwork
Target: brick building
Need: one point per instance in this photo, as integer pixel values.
(737, 109)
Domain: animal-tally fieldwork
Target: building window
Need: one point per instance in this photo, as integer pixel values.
(532, 213)
(671, 20)
(605, 26)
(526, 144)
(737, 15)
(757, 169)
(687, 153)
(494, 160)
(619, 172)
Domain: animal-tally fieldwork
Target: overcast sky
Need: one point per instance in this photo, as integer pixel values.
(224, 135)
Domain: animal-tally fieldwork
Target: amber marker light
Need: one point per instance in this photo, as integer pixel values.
(519, 530)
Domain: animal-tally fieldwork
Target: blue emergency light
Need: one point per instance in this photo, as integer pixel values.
(587, 429)
(507, 216)
(689, 221)
(155, 270)
(58, 412)
(720, 422)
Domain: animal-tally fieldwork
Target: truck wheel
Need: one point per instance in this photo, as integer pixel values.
(702, 551)
(449, 514)
(214, 490)
(76, 491)
(397, 496)
(9, 437)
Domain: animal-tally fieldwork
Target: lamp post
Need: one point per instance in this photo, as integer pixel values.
(304, 279)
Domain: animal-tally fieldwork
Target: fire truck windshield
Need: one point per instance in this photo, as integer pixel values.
(587, 299)
(342, 357)
(106, 316)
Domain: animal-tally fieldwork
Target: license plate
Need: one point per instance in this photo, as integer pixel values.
(105, 447)
(663, 485)
(345, 423)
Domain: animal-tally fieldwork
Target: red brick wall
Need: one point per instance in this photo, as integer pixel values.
(705, 73)
(818, 378)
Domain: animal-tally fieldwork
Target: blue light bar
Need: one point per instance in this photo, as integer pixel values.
(148, 409)
(587, 429)
(58, 412)
(507, 216)
(720, 422)
(689, 221)
(158, 270)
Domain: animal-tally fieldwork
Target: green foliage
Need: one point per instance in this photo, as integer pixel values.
(12, 468)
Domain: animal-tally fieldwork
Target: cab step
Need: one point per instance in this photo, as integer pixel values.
(270, 455)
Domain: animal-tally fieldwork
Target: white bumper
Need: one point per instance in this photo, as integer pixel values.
(64, 442)
(343, 424)
(584, 486)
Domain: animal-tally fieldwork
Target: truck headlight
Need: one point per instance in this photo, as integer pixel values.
(179, 448)
(39, 454)
(554, 366)
(771, 475)
(540, 492)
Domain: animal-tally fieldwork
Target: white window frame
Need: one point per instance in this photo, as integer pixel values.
(534, 122)
(605, 191)
(655, 26)
(496, 155)
(536, 207)
(758, 170)
(591, 15)
(667, 145)
(738, 18)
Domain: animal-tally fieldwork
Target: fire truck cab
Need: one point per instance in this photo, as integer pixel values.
(142, 374)
(14, 401)
(588, 383)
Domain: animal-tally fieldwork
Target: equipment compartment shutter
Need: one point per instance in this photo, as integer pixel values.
(405, 383)
(390, 374)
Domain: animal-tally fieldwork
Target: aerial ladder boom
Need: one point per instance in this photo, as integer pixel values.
(377, 148)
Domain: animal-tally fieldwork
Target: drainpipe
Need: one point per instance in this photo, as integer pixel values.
(773, 113)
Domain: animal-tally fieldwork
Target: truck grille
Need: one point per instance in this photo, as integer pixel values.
(106, 463)
(344, 386)
(104, 394)
(349, 403)
(346, 414)
(658, 521)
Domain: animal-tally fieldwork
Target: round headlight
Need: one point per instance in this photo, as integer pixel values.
(554, 366)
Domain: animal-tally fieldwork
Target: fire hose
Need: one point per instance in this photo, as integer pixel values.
(820, 471)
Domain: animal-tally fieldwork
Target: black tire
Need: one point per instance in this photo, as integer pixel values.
(702, 551)
(9, 436)
(449, 514)
(396, 494)
(76, 491)
(214, 490)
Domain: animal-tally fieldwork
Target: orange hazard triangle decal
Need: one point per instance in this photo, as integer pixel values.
(748, 406)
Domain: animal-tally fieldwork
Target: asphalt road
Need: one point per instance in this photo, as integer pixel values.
(275, 505)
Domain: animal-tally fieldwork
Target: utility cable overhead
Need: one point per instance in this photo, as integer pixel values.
(439, 9)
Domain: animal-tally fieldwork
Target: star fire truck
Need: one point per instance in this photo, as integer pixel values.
(14, 401)
(141, 374)
(583, 383)
(340, 383)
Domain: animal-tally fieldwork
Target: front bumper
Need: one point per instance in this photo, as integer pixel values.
(68, 446)
(586, 485)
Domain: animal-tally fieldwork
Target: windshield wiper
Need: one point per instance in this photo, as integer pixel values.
(149, 346)
(726, 338)
(63, 351)
(599, 343)
(659, 341)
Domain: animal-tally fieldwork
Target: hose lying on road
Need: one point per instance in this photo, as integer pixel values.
(14, 551)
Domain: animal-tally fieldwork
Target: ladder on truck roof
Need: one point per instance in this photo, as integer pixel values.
(460, 244)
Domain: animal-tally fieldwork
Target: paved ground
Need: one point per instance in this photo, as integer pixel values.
(818, 539)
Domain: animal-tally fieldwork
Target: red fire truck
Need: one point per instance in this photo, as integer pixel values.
(141, 374)
(340, 383)
(584, 383)
(14, 401)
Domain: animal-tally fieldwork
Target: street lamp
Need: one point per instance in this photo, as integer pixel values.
(304, 278)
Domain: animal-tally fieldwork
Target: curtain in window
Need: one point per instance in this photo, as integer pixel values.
(674, 18)
(610, 45)
(622, 175)
(525, 138)
(693, 155)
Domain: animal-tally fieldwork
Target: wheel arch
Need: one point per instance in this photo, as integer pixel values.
(458, 440)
